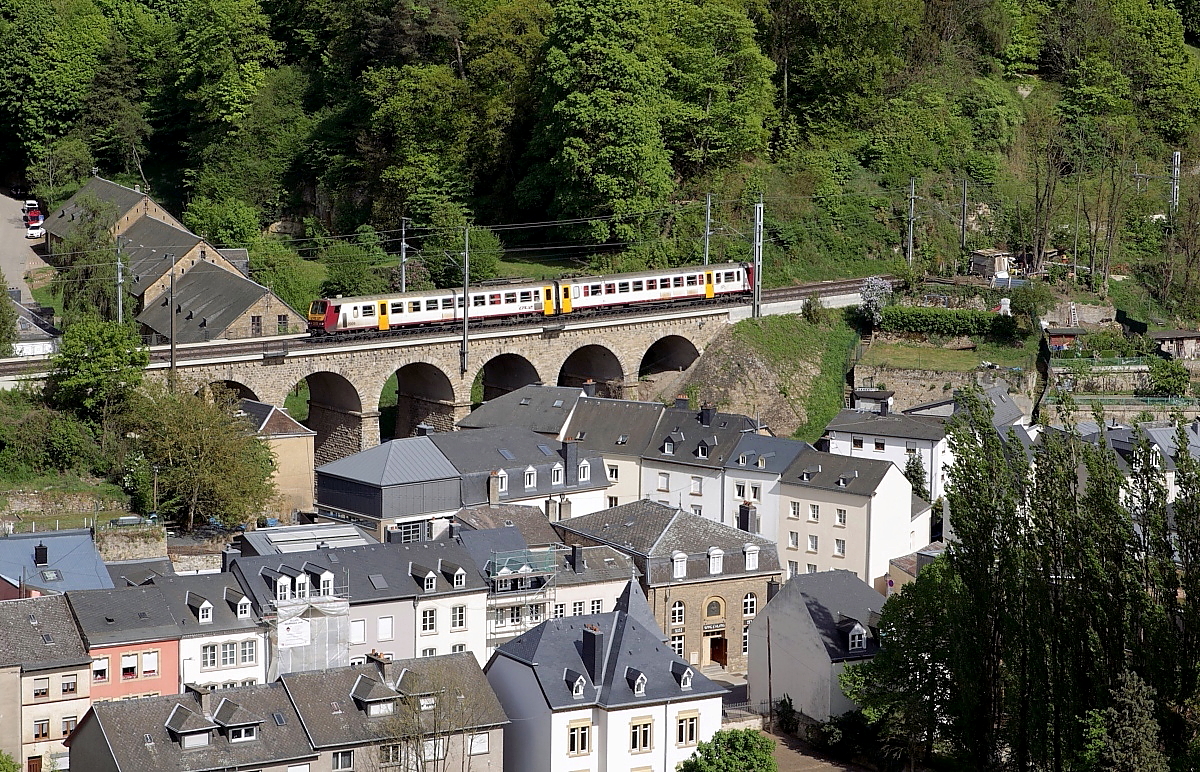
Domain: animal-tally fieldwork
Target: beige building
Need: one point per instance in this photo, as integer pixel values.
(128, 206)
(45, 675)
(292, 445)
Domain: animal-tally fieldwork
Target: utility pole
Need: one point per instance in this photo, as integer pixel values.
(756, 309)
(707, 223)
(912, 216)
(1174, 182)
(462, 365)
(1075, 249)
(120, 286)
(962, 233)
(403, 254)
(172, 377)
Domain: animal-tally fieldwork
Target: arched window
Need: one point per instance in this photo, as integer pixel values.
(749, 605)
(677, 612)
(713, 609)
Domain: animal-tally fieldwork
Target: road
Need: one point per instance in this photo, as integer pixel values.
(16, 254)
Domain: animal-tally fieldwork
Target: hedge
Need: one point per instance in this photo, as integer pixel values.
(947, 322)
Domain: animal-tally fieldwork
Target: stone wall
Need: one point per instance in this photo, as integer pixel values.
(1115, 379)
(339, 432)
(412, 410)
(140, 543)
(51, 503)
(1060, 315)
(915, 387)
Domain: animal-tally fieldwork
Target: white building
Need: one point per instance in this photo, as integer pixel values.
(894, 437)
(601, 692)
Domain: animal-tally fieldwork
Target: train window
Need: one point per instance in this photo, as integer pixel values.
(526, 296)
(677, 282)
(623, 287)
(549, 294)
(651, 284)
(368, 310)
(478, 300)
(447, 304)
(354, 312)
(461, 301)
(637, 286)
(587, 291)
(609, 289)
(414, 306)
(729, 276)
(574, 290)
(737, 275)
(510, 297)
(494, 299)
(431, 305)
(397, 308)
(691, 280)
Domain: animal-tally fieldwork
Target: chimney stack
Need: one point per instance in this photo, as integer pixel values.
(41, 556)
(552, 510)
(577, 562)
(772, 589)
(593, 653)
(589, 387)
(423, 430)
(493, 489)
(205, 695)
(564, 507)
(707, 414)
(681, 402)
(376, 659)
(883, 407)
(570, 456)
(747, 517)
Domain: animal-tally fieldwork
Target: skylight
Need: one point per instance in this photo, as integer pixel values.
(377, 581)
(279, 720)
(507, 454)
(558, 403)
(545, 450)
(624, 438)
(525, 401)
(47, 638)
(334, 559)
(51, 575)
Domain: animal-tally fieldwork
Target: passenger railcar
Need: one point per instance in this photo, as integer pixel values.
(514, 300)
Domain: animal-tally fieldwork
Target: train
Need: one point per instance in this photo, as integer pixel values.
(513, 301)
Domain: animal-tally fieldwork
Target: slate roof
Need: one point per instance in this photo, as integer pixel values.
(685, 429)
(777, 453)
(61, 221)
(73, 561)
(397, 462)
(891, 425)
(614, 426)
(300, 538)
(830, 599)
(132, 615)
(542, 409)
(829, 471)
(1005, 411)
(333, 718)
(554, 651)
(30, 326)
(632, 601)
(126, 723)
(221, 590)
(147, 245)
(913, 561)
(210, 299)
(530, 521)
(39, 634)
(134, 573)
(601, 564)
(271, 421)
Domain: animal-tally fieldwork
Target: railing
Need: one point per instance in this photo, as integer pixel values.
(1108, 399)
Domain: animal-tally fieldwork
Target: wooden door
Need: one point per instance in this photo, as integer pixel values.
(35, 764)
(717, 651)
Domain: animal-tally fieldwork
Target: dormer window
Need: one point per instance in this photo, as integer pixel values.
(385, 708)
(502, 479)
(302, 586)
(716, 560)
(843, 481)
(762, 462)
(577, 688)
(241, 734)
(430, 583)
(702, 451)
(194, 740)
(858, 640)
(327, 583)
(751, 551)
(530, 478)
(556, 475)
(668, 448)
(281, 588)
(206, 613)
(243, 609)
(679, 565)
(460, 578)
(585, 471)
(742, 460)
(639, 686)
(805, 476)
(685, 680)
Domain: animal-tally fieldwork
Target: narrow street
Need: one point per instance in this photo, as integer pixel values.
(16, 253)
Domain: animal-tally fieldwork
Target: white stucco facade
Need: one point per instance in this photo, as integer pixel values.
(398, 629)
(934, 454)
(225, 659)
(694, 489)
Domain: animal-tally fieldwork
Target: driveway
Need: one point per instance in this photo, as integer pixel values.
(792, 755)
(16, 253)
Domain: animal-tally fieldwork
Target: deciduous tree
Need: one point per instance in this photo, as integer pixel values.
(733, 750)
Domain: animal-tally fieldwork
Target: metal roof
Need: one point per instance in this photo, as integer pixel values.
(73, 562)
(398, 462)
(898, 425)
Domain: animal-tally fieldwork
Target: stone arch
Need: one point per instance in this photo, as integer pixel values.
(424, 394)
(506, 372)
(673, 353)
(597, 363)
(330, 405)
(241, 390)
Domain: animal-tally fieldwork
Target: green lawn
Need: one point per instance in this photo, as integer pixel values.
(905, 356)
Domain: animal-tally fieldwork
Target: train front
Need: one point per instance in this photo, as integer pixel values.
(318, 313)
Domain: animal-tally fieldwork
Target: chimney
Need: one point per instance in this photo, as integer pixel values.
(228, 555)
(570, 456)
(747, 517)
(577, 562)
(593, 653)
(772, 589)
(137, 188)
(681, 402)
(1196, 426)
(707, 414)
(564, 507)
(376, 659)
(205, 695)
(883, 407)
(41, 555)
(552, 510)
(423, 430)
(493, 489)
(589, 387)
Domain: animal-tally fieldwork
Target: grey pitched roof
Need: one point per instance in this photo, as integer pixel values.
(535, 528)
(61, 221)
(891, 425)
(210, 299)
(272, 421)
(816, 469)
(300, 538)
(397, 462)
(656, 530)
(134, 573)
(600, 564)
(39, 633)
(685, 429)
(632, 601)
(126, 724)
(1173, 334)
(1005, 411)
(614, 426)
(73, 561)
(542, 409)
(777, 453)
(132, 615)
(30, 326)
(333, 718)
(831, 599)
(151, 247)
(485, 545)
(221, 590)
(554, 651)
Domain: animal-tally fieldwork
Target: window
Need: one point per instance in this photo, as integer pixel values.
(249, 652)
(460, 578)
(678, 610)
(679, 565)
(858, 640)
(793, 540)
(243, 609)
(716, 560)
(839, 547)
(530, 478)
(389, 754)
(281, 589)
(612, 501)
(756, 492)
(129, 667)
(814, 513)
(429, 620)
(358, 631)
(749, 605)
(560, 610)
(208, 656)
(327, 585)
(430, 583)
(640, 735)
(697, 486)
(685, 730)
(585, 471)
(240, 734)
(664, 481)
(739, 490)
(343, 760)
(68, 725)
(614, 473)
(841, 517)
(514, 614)
(702, 451)
(794, 512)
(556, 475)
(812, 543)
(697, 510)
(381, 708)
(205, 614)
(41, 729)
(677, 644)
(597, 606)
(502, 479)
(811, 568)
(577, 740)
(195, 740)
(458, 617)
(410, 532)
(458, 648)
(751, 557)
(70, 684)
(669, 448)
(910, 448)
(577, 608)
(857, 443)
(150, 664)
(383, 630)
(428, 652)
(793, 568)
(434, 750)
(503, 585)
(255, 326)
(879, 446)
(228, 654)
(713, 609)
(535, 612)
(41, 688)
(480, 744)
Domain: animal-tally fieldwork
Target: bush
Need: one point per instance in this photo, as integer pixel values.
(947, 322)
(787, 715)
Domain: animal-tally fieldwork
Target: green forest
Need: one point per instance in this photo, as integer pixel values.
(588, 135)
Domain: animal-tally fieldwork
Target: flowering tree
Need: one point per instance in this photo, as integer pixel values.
(874, 294)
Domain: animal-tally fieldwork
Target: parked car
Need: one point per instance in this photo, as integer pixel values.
(35, 232)
(28, 205)
(33, 217)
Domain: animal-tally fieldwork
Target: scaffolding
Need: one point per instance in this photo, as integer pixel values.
(523, 588)
(308, 633)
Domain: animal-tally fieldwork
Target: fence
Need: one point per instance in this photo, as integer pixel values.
(1132, 401)
(1068, 362)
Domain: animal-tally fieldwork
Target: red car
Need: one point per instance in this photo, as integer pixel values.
(33, 217)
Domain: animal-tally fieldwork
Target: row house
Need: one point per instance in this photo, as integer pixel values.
(894, 437)
(45, 686)
(50, 563)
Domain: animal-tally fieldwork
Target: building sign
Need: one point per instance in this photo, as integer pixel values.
(295, 632)
(675, 630)
(714, 626)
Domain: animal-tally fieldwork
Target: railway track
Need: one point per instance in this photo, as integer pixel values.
(280, 347)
